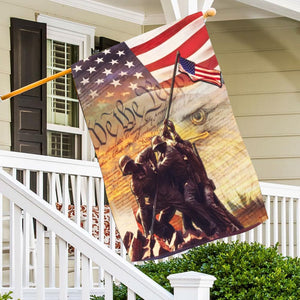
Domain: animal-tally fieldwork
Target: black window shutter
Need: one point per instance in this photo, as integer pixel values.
(102, 43)
(28, 64)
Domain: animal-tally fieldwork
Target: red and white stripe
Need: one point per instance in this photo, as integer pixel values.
(157, 49)
(211, 76)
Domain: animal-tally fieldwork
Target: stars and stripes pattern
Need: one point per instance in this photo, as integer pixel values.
(157, 49)
(144, 62)
(114, 74)
(196, 72)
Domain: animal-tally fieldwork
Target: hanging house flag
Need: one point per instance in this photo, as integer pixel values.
(176, 171)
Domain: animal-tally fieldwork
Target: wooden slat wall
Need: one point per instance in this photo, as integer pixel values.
(260, 61)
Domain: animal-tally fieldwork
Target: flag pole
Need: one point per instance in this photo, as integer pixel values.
(35, 84)
(172, 86)
(209, 13)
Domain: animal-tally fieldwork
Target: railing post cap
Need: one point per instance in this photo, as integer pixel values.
(191, 278)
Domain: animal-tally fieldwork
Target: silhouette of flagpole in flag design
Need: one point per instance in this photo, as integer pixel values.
(172, 182)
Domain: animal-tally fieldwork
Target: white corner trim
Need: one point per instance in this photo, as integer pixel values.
(66, 24)
(286, 8)
(104, 9)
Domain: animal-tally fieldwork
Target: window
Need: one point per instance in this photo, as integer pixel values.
(62, 102)
(67, 42)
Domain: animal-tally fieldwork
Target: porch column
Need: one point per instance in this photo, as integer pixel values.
(191, 285)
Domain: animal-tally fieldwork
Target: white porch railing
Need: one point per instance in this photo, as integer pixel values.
(25, 205)
(76, 188)
(283, 225)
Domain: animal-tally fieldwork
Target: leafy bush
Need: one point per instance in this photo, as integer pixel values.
(6, 296)
(243, 271)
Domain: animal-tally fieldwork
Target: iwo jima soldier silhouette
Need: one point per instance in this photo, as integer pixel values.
(149, 187)
(197, 188)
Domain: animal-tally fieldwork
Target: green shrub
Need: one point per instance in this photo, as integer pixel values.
(243, 271)
(6, 296)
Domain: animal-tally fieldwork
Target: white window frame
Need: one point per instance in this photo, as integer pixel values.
(83, 36)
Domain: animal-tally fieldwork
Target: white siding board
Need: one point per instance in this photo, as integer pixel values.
(256, 39)
(273, 147)
(260, 61)
(4, 83)
(5, 39)
(251, 24)
(5, 111)
(265, 126)
(4, 62)
(270, 168)
(5, 133)
(264, 104)
(261, 83)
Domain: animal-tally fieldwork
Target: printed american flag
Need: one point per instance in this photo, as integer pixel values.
(124, 92)
(142, 63)
(196, 72)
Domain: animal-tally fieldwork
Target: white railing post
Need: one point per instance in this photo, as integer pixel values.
(191, 285)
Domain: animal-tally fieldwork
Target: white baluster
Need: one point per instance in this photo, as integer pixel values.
(251, 236)
(63, 245)
(90, 198)
(123, 250)
(291, 227)
(275, 220)
(66, 199)
(40, 247)
(283, 226)
(17, 252)
(298, 226)
(108, 286)
(100, 200)
(234, 238)
(243, 237)
(12, 238)
(77, 221)
(63, 269)
(112, 232)
(86, 277)
(89, 205)
(130, 294)
(259, 233)
(27, 222)
(52, 234)
(268, 223)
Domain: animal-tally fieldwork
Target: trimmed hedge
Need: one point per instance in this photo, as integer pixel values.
(243, 271)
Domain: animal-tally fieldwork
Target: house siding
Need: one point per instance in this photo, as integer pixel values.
(260, 61)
